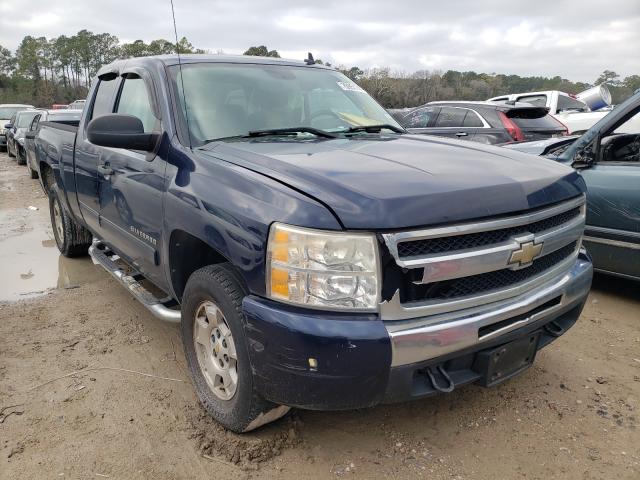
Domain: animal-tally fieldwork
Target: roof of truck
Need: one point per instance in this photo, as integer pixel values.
(172, 59)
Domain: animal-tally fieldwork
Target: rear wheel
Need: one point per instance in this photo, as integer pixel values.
(73, 240)
(217, 353)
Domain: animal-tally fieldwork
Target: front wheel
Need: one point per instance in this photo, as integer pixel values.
(216, 350)
(21, 156)
(32, 173)
(73, 240)
(9, 152)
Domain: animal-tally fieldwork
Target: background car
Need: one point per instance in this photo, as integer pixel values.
(608, 157)
(77, 105)
(16, 130)
(7, 110)
(484, 122)
(66, 117)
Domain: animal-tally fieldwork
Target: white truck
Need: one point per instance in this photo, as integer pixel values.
(577, 112)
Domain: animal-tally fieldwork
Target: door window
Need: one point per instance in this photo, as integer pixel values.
(419, 118)
(472, 120)
(134, 100)
(451, 117)
(103, 104)
(566, 103)
(34, 123)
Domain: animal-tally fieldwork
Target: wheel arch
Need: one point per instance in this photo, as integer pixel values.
(188, 253)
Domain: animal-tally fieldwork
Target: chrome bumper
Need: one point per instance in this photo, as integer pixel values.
(425, 338)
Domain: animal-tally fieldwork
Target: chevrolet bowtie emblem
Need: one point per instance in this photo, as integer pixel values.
(527, 252)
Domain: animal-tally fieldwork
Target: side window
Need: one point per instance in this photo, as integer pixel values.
(103, 104)
(567, 103)
(419, 118)
(134, 100)
(472, 119)
(451, 117)
(535, 100)
(34, 123)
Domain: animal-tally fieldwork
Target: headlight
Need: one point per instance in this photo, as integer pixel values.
(322, 269)
(3, 131)
(20, 140)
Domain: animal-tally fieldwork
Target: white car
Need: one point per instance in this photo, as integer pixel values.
(8, 110)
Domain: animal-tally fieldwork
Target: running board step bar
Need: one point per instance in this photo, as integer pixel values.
(102, 255)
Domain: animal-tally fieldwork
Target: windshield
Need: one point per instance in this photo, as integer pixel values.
(24, 119)
(226, 100)
(7, 112)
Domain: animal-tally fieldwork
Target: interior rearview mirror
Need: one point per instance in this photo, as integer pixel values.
(121, 131)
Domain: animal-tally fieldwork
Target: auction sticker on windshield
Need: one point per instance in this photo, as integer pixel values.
(350, 87)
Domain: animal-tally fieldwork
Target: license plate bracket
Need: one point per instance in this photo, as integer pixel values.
(501, 363)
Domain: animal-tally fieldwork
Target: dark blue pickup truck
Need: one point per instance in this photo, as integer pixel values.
(316, 255)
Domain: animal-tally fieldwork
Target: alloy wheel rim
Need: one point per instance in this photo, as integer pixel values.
(57, 221)
(215, 350)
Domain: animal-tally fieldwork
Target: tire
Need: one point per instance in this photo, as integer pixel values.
(9, 151)
(218, 290)
(20, 156)
(73, 240)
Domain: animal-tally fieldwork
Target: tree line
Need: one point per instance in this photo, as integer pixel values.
(58, 70)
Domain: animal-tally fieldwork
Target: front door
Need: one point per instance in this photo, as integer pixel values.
(131, 184)
(87, 154)
(612, 235)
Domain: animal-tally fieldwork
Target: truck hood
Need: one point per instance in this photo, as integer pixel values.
(400, 181)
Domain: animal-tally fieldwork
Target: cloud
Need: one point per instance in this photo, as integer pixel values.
(574, 39)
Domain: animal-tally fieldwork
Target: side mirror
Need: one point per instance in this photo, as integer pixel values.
(584, 157)
(8, 126)
(121, 131)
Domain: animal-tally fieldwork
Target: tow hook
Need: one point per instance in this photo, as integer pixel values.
(554, 329)
(446, 389)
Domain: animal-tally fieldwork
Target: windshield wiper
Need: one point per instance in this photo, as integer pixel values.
(290, 131)
(374, 128)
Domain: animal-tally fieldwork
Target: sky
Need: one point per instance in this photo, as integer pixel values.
(574, 39)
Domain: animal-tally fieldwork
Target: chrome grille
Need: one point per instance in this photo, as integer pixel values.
(472, 240)
(460, 266)
(487, 282)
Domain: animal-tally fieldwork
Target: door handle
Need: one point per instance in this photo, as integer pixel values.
(461, 134)
(105, 170)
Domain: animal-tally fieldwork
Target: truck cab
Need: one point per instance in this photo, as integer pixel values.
(315, 254)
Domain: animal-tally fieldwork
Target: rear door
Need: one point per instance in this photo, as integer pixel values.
(456, 122)
(131, 184)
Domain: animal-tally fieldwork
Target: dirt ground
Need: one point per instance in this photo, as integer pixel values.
(75, 404)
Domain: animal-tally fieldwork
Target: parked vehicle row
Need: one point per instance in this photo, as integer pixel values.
(316, 254)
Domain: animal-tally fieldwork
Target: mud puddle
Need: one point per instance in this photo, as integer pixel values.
(31, 262)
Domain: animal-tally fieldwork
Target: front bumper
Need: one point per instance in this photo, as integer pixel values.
(332, 361)
(3, 141)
